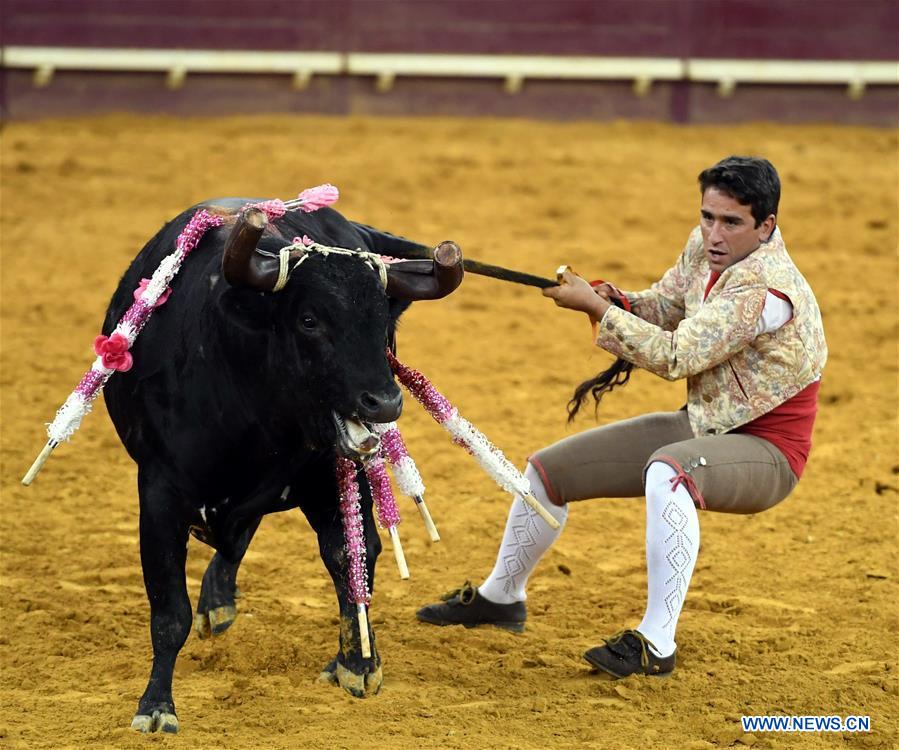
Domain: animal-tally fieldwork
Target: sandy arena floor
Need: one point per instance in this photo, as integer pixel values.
(790, 612)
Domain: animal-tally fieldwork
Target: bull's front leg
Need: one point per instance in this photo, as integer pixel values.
(358, 675)
(163, 553)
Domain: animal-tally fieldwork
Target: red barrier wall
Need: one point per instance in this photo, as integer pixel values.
(753, 29)
(789, 29)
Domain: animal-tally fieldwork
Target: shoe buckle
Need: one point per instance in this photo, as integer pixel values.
(467, 594)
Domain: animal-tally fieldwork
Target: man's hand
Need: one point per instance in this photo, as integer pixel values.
(606, 291)
(576, 293)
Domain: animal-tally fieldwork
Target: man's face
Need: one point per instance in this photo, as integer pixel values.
(728, 228)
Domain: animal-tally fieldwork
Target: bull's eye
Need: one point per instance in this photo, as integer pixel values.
(309, 323)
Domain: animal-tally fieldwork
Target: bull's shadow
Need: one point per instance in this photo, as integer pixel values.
(240, 398)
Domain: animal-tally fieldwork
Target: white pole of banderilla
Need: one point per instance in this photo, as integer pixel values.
(426, 517)
(39, 462)
(365, 643)
(398, 553)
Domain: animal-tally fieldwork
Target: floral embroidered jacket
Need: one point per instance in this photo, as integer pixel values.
(733, 376)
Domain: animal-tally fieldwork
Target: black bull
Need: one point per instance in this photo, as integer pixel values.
(234, 405)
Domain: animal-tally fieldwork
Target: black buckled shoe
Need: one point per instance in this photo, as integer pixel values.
(627, 653)
(465, 606)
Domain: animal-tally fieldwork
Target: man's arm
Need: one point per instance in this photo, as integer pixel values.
(721, 328)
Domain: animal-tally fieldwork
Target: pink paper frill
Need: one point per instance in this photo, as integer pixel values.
(353, 531)
(318, 197)
(198, 225)
(393, 447)
(273, 209)
(382, 493)
(89, 385)
(420, 387)
(137, 315)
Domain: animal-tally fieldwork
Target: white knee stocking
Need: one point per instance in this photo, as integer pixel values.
(672, 543)
(526, 538)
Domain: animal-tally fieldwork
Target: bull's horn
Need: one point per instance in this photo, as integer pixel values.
(414, 281)
(241, 267)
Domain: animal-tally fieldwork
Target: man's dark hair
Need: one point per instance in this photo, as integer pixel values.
(748, 180)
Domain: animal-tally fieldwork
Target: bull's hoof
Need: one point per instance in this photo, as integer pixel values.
(215, 621)
(158, 721)
(201, 626)
(357, 685)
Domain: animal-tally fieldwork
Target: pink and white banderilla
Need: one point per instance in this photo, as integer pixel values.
(388, 514)
(354, 535)
(468, 436)
(408, 478)
(113, 351)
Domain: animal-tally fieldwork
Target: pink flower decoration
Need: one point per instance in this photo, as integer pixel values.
(318, 197)
(305, 239)
(142, 287)
(114, 352)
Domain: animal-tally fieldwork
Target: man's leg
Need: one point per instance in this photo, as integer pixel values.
(672, 544)
(500, 599)
(603, 462)
(526, 539)
(727, 473)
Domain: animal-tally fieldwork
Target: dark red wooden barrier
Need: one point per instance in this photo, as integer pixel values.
(747, 29)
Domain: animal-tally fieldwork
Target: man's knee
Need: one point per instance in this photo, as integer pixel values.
(537, 475)
(668, 469)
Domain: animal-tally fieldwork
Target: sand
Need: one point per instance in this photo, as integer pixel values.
(790, 612)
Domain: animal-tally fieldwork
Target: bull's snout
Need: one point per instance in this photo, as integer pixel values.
(380, 407)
